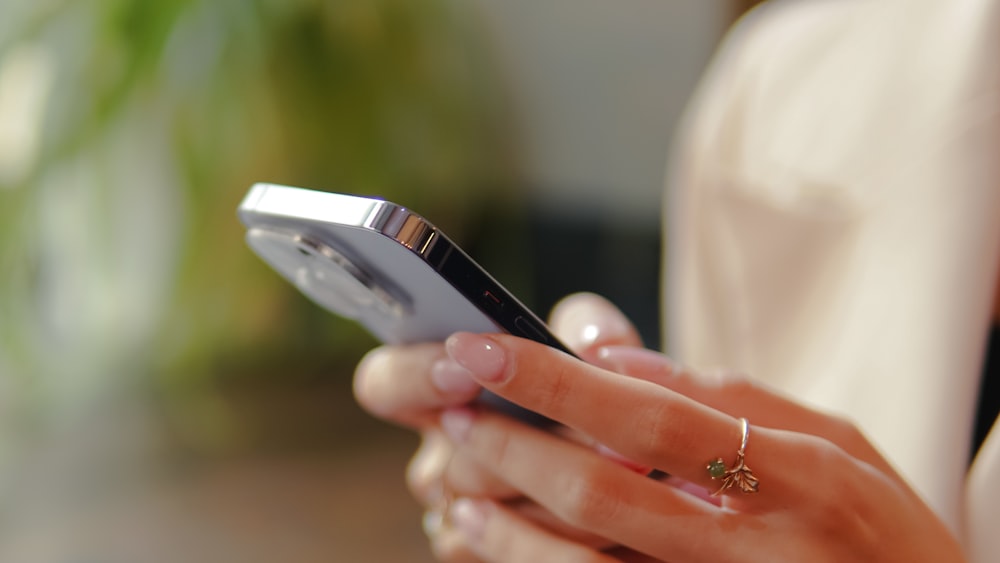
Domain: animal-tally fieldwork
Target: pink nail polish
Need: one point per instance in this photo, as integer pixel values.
(633, 361)
(482, 356)
(451, 378)
(456, 423)
(586, 320)
(469, 516)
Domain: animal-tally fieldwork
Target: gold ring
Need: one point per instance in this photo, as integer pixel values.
(739, 475)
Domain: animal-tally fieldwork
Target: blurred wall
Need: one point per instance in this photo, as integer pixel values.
(596, 88)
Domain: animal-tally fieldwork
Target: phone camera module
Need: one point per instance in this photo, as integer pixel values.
(325, 275)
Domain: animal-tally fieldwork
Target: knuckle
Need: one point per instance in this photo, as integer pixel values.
(737, 389)
(591, 499)
(840, 500)
(845, 433)
(499, 450)
(425, 472)
(662, 432)
(552, 392)
(818, 457)
(466, 476)
(835, 492)
(738, 385)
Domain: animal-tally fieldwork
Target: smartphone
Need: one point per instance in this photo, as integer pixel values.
(386, 267)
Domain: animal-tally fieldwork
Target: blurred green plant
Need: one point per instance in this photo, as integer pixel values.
(133, 129)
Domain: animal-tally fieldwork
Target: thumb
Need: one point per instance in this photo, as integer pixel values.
(586, 322)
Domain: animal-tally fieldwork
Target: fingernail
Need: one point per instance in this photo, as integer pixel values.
(432, 522)
(451, 378)
(585, 320)
(629, 360)
(456, 424)
(483, 357)
(469, 516)
(425, 470)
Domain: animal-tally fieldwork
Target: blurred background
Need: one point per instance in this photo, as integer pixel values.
(163, 395)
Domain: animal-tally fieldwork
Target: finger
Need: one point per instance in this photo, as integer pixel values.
(644, 422)
(465, 476)
(740, 396)
(498, 535)
(543, 517)
(585, 322)
(439, 472)
(409, 384)
(447, 543)
(425, 472)
(651, 424)
(835, 516)
(587, 491)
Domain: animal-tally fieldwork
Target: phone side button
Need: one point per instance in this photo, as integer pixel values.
(492, 301)
(528, 329)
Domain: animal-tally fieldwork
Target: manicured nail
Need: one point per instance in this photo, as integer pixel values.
(608, 329)
(425, 470)
(432, 522)
(629, 360)
(585, 320)
(469, 516)
(452, 379)
(456, 423)
(483, 357)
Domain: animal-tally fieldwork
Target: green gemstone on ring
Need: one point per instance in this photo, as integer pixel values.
(717, 469)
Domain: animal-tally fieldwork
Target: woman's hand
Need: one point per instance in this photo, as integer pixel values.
(410, 385)
(825, 494)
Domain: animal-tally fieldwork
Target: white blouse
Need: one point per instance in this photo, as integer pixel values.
(834, 227)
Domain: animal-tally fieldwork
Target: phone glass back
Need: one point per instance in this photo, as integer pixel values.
(377, 262)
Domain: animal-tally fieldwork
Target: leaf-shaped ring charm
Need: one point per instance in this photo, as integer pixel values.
(738, 476)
